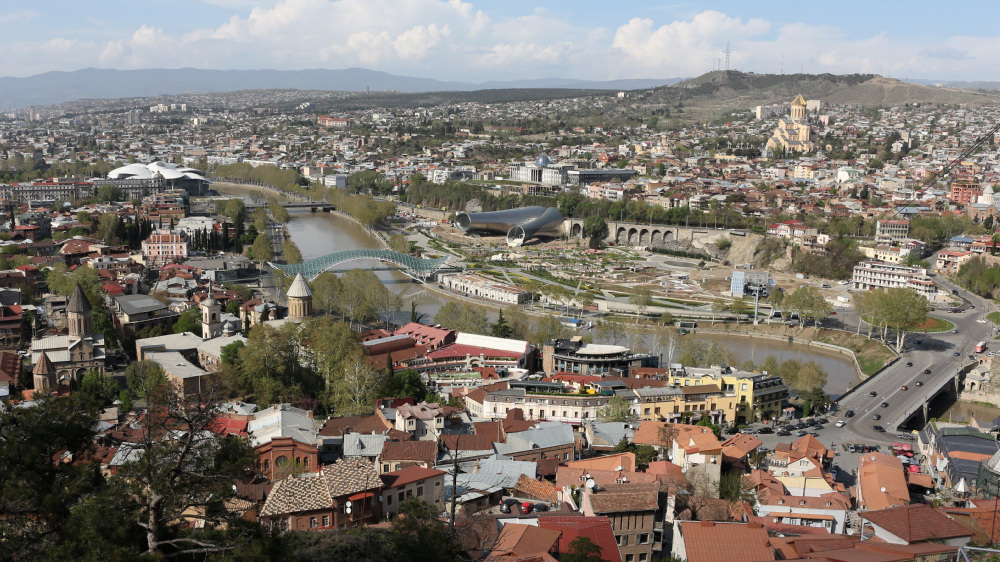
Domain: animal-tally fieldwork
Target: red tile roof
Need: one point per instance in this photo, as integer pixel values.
(422, 451)
(707, 541)
(410, 474)
(597, 529)
(916, 523)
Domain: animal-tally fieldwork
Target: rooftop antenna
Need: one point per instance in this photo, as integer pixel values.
(727, 56)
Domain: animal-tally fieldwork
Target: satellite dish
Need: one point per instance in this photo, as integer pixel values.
(590, 483)
(349, 503)
(348, 510)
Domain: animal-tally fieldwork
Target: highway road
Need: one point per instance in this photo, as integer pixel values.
(926, 352)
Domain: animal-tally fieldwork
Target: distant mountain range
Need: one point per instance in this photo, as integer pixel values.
(95, 83)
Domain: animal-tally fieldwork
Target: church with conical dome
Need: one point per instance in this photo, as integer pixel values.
(62, 359)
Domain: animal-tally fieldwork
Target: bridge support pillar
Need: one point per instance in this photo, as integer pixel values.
(925, 410)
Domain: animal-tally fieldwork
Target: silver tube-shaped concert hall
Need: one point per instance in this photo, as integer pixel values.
(520, 225)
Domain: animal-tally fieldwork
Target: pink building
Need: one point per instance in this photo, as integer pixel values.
(164, 247)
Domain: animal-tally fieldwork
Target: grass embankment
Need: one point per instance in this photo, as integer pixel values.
(933, 324)
(872, 355)
(994, 317)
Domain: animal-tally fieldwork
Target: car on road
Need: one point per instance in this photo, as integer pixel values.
(841, 423)
(919, 383)
(909, 363)
(877, 417)
(849, 414)
(957, 353)
(927, 371)
(878, 428)
(904, 388)
(884, 404)
(873, 394)
(765, 429)
(822, 420)
(954, 331)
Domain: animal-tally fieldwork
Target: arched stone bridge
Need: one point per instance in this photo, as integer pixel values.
(638, 234)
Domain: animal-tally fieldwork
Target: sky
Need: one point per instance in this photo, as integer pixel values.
(476, 41)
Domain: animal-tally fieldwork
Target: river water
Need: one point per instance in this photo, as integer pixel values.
(318, 234)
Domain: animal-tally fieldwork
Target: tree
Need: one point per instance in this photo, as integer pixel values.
(462, 317)
(582, 549)
(327, 289)
(404, 384)
(399, 243)
(180, 469)
(109, 193)
(739, 307)
(618, 409)
(354, 390)
(261, 249)
(290, 252)
(230, 354)
(500, 329)
(640, 297)
(107, 228)
(596, 230)
(98, 387)
(188, 321)
(718, 307)
(38, 494)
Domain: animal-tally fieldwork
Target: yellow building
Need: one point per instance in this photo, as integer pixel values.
(793, 133)
(758, 396)
(686, 404)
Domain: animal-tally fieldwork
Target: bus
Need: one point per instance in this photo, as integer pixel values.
(980, 347)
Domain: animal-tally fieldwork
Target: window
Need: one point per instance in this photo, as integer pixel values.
(743, 386)
(643, 538)
(565, 456)
(388, 499)
(312, 522)
(646, 411)
(409, 493)
(642, 557)
(618, 539)
(629, 557)
(326, 520)
(401, 497)
(385, 467)
(420, 491)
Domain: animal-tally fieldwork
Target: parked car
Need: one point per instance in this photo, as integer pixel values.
(927, 371)
(884, 404)
(526, 507)
(506, 504)
(765, 429)
(877, 417)
(909, 363)
(540, 507)
(840, 423)
(878, 428)
(873, 394)
(904, 388)
(784, 433)
(957, 353)
(919, 383)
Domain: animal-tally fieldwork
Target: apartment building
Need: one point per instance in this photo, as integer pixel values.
(759, 396)
(680, 404)
(893, 230)
(164, 247)
(869, 275)
(567, 408)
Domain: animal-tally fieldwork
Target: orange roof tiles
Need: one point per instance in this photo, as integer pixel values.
(916, 523)
(707, 541)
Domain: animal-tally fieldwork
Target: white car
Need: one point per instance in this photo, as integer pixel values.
(841, 423)
(981, 321)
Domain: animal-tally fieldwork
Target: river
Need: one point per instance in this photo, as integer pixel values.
(318, 234)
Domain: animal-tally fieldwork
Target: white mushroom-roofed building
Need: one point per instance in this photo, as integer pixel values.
(165, 170)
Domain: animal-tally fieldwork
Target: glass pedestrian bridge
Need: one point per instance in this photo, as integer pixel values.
(417, 268)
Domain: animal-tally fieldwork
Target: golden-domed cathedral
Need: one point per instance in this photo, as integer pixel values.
(793, 133)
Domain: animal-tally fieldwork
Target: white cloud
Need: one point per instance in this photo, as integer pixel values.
(469, 40)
